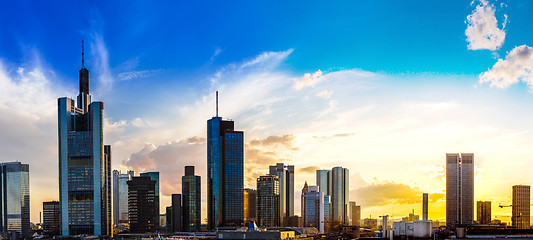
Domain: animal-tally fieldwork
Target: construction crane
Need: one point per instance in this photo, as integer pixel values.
(502, 206)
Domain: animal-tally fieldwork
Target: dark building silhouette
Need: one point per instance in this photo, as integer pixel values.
(176, 223)
(51, 218)
(84, 164)
(15, 199)
(484, 212)
(268, 198)
(225, 173)
(142, 212)
(155, 177)
(191, 193)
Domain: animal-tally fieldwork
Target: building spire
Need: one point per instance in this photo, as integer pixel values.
(82, 57)
(217, 103)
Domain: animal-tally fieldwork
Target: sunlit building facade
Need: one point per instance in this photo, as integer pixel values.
(483, 212)
(316, 212)
(340, 193)
(15, 198)
(225, 174)
(250, 205)
(459, 188)
(521, 206)
(192, 199)
(285, 175)
(120, 197)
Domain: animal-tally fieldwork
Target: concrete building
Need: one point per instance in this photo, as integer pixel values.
(84, 164)
(425, 206)
(355, 214)
(268, 198)
(370, 223)
(192, 199)
(176, 214)
(225, 173)
(483, 212)
(459, 188)
(316, 209)
(51, 218)
(250, 205)
(142, 214)
(15, 199)
(521, 206)
(120, 197)
(305, 190)
(286, 180)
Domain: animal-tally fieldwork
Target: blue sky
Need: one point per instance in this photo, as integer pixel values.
(372, 86)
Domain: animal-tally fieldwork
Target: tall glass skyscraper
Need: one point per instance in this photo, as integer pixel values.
(154, 176)
(316, 212)
(340, 193)
(286, 182)
(15, 198)
(268, 201)
(191, 192)
(459, 188)
(84, 164)
(120, 197)
(225, 173)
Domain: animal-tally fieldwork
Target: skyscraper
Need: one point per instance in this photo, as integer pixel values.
(323, 181)
(355, 214)
(225, 173)
(483, 212)
(15, 198)
(120, 197)
(155, 177)
(84, 164)
(191, 193)
(425, 206)
(51, 218)
(176, 217)
(521, 206)
(316, 209)
(268, 198)
(286, 181)
(340, 193)
(141, 205)
(459, 188)
(305, 190)
(250, 205)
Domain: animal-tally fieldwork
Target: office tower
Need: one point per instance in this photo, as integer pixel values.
(355, 214)
(192, 199)
(154, 176)
(51, 218)
(225, 173)
(483, 212)
(84, 164)
(425, 206)
(250, 205)
(316, 209)
(120, 197)
(459, 188)
(521, 206)
(15, 198)
(268, 198)
(142, 212)
(177, 214)
(323, 181)
(340, 191)
(305, 190)
(286, 181)
(168, 217)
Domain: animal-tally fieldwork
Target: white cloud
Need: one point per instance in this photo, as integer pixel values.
(325, 94)
(482, 31)
(132, 75)
(308, 80)
(517, 66)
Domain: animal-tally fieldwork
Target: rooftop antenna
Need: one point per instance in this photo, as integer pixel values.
(217, 103)
(82, 53)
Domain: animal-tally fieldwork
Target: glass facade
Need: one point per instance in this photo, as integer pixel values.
(155, 177)
(142, 205)
(51, 218)
(120, 197)
(15, 198)
(286, 181)
(268, 201)
(340, 192)
(84, 165)
(459, 188)
(225, 174)
(191, 193)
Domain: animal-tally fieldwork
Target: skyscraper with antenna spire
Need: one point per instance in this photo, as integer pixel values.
(225, 173)
(84, 164)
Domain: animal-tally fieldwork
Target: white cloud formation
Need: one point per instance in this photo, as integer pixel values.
(482, 31)
(308, 80)
(517, 67)
(325, 94)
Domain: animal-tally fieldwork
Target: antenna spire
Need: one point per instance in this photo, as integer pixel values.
(217, 103)
(82, 53)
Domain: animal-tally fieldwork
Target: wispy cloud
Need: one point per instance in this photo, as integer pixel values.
(132, 75)
(325, 94)
(308, 80)
(483, 31)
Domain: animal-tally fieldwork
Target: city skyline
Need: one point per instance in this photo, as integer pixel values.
(381, 99)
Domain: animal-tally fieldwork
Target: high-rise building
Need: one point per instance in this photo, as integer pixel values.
(176, 223)
(425, 206)
(225, 173)
(521, 206)
(15, 198)
(305, 190)
(168, 218)
(355, 214)
(268, 198)
(459, 188)
(84, 164)
(192, 199)
(286, 182)
(340, 192)
(155, 177)
(51, 218)
(142, 205)
(316, 209)
(250, 205)
(323, 181)
(483, 212)
(120, 197)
